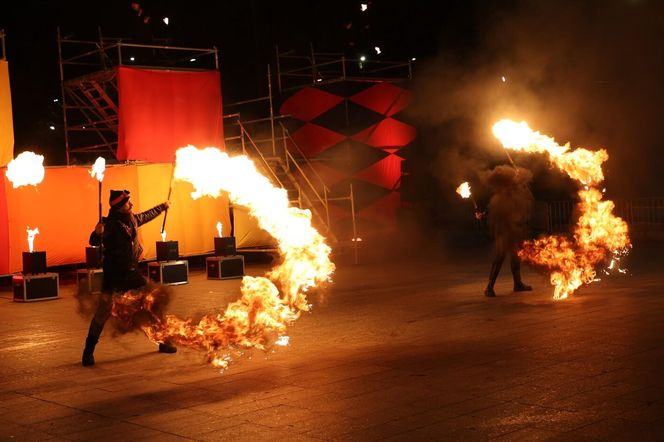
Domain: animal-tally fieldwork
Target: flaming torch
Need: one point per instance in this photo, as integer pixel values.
(97, 172)
(267, 304)
(26, 169)
(464, 191)
(31, 237)
(598, 231)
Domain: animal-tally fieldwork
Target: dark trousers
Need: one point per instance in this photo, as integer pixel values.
(498, 258)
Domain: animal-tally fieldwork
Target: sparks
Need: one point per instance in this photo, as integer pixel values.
(598, 231)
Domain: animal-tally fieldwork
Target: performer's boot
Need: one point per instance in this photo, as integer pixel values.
(167, 347)
(94, 332)
(519, 286)
(493, 275)
(88, 358)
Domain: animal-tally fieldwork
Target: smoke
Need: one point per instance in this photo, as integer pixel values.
(584, 72)
(131, 311)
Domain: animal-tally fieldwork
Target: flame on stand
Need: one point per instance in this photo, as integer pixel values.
(98, 168)
(26, 169)
(598, 232)
(219, 227)
(464, 190)
(267, 304)
(163, 235)
(31, 237)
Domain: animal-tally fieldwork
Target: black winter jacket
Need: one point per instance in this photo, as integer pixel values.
(122, 249)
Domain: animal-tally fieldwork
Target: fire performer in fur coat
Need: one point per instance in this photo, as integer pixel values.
(121, 254)
(508, 213)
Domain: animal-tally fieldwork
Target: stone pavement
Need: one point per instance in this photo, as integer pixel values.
(396, 351)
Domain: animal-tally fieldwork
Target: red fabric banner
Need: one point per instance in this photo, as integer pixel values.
(161, 111)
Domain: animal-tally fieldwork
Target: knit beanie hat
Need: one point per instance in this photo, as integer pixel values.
(118, 198)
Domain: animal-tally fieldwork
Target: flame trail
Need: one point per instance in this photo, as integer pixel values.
(267, 304)
(26, 169)
(598, 231)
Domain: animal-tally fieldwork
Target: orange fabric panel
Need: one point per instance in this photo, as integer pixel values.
(65, 208)
(6, 122)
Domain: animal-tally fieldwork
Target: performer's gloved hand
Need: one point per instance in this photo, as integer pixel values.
(166, 205)
(99, 229)
(479, 215)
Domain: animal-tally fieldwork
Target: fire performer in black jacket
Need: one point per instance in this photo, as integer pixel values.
(121, 254)
(508, 213)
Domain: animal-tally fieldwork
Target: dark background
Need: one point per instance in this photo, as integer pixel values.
(588, 72)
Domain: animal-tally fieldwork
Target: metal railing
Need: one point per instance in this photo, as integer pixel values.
(644, 216)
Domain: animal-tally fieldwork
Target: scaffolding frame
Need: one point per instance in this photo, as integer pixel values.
(318, 68)
(89, 91)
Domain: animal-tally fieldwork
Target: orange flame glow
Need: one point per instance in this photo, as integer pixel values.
(98, 168)
(31, 237)
(219, 228)
(26, 169)
(267, 304)
(598, 231)
(464, 190)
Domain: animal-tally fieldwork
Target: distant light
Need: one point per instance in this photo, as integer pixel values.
(413, 59)
(363, 58)
(55, 100)
(131, 58)
(166, 20)
(503, 78)
(318, 80)
(377, 49)
(51, 127)
(83, 127)
(363, 6)
(192, 60)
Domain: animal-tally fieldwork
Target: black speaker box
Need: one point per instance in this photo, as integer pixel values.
(35, 287)
(34, 262)
(167, 251)
(225, 267)
(224, 245)
(93, 257)
(89, 280)
(170, 272)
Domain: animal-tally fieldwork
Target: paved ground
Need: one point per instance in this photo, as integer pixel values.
(397, 351)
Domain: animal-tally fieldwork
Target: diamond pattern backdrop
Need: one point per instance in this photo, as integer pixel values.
(352, 133)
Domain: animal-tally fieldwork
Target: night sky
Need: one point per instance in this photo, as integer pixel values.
(588, 72)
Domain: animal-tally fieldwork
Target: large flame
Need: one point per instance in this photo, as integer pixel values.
(98, 168)
(26, 169)
(267, 304)
(598, 231)
(31, 237)
(464, 190)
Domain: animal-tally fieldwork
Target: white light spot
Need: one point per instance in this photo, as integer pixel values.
(363, 6)
(166, 21)
(51, 127)
(363, 58)
(192, 60)
(131, 58)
